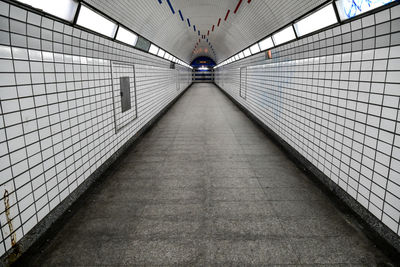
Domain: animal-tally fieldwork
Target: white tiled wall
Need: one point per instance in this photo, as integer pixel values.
(334, 97)
(57, 123)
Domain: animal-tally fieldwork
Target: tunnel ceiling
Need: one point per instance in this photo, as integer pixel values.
(253, 20)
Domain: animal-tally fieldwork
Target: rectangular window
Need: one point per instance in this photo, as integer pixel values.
(93, 21)
(318, 20)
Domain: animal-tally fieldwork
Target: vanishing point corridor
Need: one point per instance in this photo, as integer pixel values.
(205, 186)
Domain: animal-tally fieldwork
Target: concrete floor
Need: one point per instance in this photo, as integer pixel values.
(205, 187)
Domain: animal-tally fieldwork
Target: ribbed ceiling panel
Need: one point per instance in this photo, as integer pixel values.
(252, 22)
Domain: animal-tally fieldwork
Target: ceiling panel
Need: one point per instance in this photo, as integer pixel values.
(252, 22)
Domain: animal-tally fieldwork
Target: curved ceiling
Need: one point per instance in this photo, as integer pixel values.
(253, 20)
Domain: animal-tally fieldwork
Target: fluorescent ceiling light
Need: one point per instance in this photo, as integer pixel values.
(161, 53)
(247, 52)
(93, 21)
(64, 9)
(126, 36)
(255, 49)
(284, 35)
(153, 49)
(348, 9)
(237, 57)
(203, 68)
(166, 56)
(241, 55)
(266, 44)
(320, 19)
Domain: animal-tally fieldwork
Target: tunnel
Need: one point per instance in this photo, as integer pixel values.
(199, 133)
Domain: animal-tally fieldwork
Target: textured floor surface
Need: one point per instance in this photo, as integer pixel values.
(205, 187)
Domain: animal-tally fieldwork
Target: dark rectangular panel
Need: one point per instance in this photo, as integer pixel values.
(143, 44)
(125, 94)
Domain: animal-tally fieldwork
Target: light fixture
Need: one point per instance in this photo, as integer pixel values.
(247, 52)
(266, 44)
(153, 49)
(284, 35)
(93, 21)
(255, 49)
(161, 53)
(126, 36)
(320, 19)
(64, 9)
